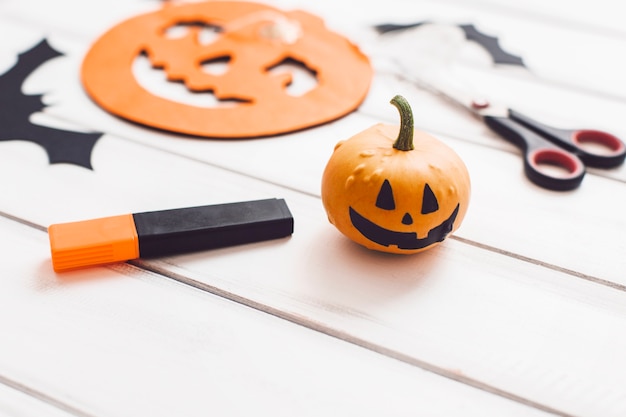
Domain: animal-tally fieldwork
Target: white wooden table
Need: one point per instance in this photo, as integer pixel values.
(522, 312)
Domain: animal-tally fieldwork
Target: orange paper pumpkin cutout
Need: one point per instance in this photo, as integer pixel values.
(252, 39)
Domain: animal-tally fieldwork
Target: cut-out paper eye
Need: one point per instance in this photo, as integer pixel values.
(249, 58)
(387, 196)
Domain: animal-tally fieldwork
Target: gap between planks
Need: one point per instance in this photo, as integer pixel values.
(43, 397)
(537, 262)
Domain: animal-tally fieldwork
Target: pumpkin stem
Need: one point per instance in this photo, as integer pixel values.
(404, 142)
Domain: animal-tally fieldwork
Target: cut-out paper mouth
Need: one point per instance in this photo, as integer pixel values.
(403, 240)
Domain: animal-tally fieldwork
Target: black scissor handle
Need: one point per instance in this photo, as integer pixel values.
(611, 152)
(538, 152)
(572, 168)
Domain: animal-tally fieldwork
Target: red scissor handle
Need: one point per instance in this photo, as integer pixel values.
(608, 150)
(539, 161)
(611, 151)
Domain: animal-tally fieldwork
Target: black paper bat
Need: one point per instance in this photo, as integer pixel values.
(490, 43)
(17, 107)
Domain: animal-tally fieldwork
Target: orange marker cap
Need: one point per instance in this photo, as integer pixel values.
(97, 241)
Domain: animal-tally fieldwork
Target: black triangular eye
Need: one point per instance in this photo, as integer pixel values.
(385, 199)
(429, 201)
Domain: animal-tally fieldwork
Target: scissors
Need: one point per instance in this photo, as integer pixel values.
(542, 146)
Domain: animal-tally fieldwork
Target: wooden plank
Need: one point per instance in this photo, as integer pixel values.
(532, 331)
(119, 341)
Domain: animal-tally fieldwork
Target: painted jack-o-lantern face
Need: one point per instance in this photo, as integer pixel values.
(395, 198)
(397, 229)
(251, 40)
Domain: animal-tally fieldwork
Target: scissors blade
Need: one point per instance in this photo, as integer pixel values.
(444, 83)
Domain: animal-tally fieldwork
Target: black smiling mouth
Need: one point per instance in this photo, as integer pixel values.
(403, 240)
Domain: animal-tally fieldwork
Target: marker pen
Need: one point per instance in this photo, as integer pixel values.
(161, 233)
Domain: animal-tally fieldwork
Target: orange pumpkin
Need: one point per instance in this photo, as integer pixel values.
(252, 39)
(394, 189)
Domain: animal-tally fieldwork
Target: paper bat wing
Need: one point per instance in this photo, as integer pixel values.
(492, 45)
(17, 107)
(489, 43)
